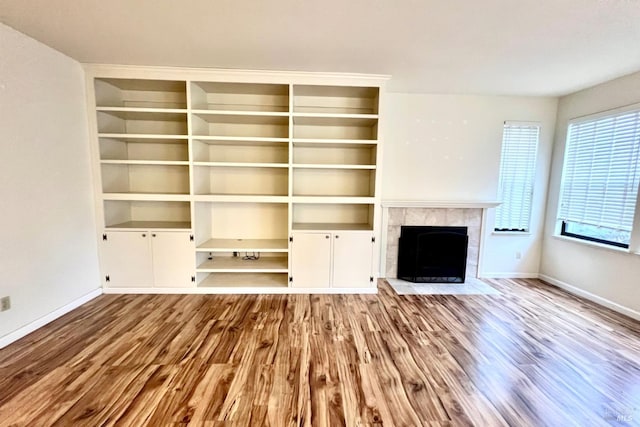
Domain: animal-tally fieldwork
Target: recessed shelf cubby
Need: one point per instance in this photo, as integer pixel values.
(241, 125)
(144, 149)
(335, 99)
(312, 153)
(329, 216)
(242, 262)
(240, 97)
(130, 214)
(224, 180)
(240, 151)
(136, 93)
(335, 128)
(145, 179)
(243, 280)
(333, 182)
(141, 123)
(229, 227)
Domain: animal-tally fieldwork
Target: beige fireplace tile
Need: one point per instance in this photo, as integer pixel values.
(393, 235)
(435, 217)
(472, 270)
(472, 217)
(455, 217)
(392, 266)
(415, 216)
(396, 216)
(474, 236)
(472, 255)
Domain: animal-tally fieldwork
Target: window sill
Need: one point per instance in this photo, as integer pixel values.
(595, 245)
(511, 233)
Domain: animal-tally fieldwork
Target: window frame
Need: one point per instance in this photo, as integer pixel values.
(561, 225)
(527, 229)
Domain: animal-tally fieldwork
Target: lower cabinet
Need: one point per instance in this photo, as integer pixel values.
(148, 259)
(332, 259)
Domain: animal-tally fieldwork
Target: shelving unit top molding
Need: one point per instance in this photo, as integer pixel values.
(222, 75)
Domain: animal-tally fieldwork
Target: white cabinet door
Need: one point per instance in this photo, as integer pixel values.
(311, 260)
(352, 260)
(173, 259)
(126, 256)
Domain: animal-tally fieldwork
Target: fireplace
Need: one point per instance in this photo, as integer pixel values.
(433, 254)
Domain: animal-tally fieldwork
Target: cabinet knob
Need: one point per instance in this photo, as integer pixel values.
(153, 235)
(337, 236)
(144, 235)
(326, 237)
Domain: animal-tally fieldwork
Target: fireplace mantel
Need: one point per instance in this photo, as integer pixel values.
(456, 204)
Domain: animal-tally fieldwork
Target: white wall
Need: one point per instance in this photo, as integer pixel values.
(601, 272)
(48, 248)
(447, 147)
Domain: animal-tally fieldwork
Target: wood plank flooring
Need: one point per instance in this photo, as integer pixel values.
(533, 356)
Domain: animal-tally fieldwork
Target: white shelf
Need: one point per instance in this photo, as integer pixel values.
(151, 197)
(244, 245)
(240, 113)
(242, 280)
(150, 138)
(239, 198)
(230, 264)
(124, 111)
(335, 119)
(332, 166)
(333, 200)
(242, 165)
(329, 226)
(246, 139)
(151, 225)
(146, 162)
(334, 141)
(341, 144)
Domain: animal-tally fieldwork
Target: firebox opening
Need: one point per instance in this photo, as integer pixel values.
(428, 254)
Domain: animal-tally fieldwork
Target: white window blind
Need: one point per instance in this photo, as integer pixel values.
(600, 178)
(517, 175)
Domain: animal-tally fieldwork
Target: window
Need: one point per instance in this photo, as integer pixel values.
(600, 178)
(517, 174)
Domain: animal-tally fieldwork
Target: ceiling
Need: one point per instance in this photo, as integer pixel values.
(499, 47)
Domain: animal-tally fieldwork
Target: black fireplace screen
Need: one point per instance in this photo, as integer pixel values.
(429, 254)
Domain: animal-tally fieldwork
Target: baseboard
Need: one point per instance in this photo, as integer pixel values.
(36, 324)
(591, 297)
(508, 275)
(240, 290)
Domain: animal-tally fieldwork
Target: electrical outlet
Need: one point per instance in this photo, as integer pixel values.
(5, 303)
(518, 255)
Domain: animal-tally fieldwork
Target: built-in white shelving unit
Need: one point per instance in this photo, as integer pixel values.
(260, 172)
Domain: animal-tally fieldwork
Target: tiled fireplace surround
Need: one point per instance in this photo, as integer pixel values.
(396, 215)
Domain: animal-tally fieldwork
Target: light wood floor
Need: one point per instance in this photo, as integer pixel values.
(533, 356)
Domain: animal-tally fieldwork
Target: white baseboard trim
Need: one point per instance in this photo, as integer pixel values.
(38, 323)
(591, 297)
(508, 275)
(241, 290)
